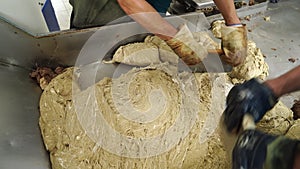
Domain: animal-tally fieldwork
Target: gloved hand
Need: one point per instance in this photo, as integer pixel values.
(257, 150)
(185, 46)
(251, 97)
(234, 44)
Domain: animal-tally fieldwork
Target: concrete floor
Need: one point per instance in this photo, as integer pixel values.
(279, 38)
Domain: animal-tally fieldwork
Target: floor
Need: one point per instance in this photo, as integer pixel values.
(279, 39)
(63, 11)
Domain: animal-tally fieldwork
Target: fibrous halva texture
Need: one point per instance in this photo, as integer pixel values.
(148, 117)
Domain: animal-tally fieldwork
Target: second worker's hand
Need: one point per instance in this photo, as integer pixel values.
(252, 97)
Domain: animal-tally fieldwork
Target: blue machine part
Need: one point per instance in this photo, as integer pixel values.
(50, 17)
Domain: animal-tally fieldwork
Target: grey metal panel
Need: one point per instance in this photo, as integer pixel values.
(23, 49)
(21, 145)
(20, 48)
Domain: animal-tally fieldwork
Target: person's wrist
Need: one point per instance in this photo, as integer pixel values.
(275, 86)
(164, 37)
(232, 21)
(167, 35)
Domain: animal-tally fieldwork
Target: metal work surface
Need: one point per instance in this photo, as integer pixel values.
(21, 144)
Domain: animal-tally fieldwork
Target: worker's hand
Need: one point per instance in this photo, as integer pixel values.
(251, 97)
(185, 46)
(257, 150)
(234, 44)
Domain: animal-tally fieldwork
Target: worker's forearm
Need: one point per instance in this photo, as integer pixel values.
(297, 160)
(287, 83)
(144, 14)
(228, 11)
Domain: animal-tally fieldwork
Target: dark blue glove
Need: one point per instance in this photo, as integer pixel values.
(251, 97)
(257, 150)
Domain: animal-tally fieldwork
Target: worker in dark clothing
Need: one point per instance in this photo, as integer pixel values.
(255, 149)
(100, 12)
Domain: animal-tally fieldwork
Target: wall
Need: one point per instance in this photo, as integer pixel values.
(25, 14)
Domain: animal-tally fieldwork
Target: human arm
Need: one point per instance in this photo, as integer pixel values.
(256, 98)
(287, 83)
(228, 11)
(144, 14)
(181, 41)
